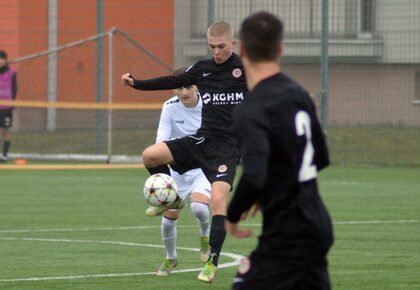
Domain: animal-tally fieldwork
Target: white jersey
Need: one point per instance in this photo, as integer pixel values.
(177, 121)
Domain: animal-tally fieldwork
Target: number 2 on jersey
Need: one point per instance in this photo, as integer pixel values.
(307, 170)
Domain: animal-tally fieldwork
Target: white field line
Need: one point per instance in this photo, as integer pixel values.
(236, 258)
(376, 222)
(224, 265)
(350, 183)
(122, 228)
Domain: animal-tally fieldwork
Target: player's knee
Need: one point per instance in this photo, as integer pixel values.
(149, 158)
(199, 210)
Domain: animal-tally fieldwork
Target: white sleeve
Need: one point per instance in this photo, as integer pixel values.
(164, 131)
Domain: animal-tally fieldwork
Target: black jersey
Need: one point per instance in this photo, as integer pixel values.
(221, 86)
(283, 148)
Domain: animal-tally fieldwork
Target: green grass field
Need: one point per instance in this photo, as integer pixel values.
(85, 229)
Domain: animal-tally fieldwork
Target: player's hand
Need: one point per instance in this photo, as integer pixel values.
(127, 80)
(234, 230)
(252, 211)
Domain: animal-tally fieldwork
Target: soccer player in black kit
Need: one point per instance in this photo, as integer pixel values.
(221, 85)
(282, 149)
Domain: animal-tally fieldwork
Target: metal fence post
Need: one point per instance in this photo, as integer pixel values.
(99, 75)
(110, 87)
(52, 62)
(324, 66)
(210, 17)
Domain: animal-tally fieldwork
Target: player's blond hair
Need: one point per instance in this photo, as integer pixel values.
(220, 28)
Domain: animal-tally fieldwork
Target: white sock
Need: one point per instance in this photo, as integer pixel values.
(168, 230)
(201, 212)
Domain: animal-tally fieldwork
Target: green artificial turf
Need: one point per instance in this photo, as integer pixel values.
(69, 223)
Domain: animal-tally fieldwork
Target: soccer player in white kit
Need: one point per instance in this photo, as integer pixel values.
(181, 116)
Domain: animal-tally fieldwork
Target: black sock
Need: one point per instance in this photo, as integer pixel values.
(6, 145)
(217, 237)
(159, 169)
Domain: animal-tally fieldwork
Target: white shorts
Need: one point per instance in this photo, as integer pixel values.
(191, 181)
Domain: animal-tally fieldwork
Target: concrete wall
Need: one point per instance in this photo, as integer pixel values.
(360, 94)
(398, 24)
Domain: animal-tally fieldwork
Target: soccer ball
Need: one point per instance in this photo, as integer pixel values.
(160, 189)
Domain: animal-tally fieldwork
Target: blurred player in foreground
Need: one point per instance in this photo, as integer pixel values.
(181, 116)
(8, 92)
(221, 86)
(283, 148)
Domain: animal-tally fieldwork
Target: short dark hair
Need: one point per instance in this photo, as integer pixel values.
(261, 34)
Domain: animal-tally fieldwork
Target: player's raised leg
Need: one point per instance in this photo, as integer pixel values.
(156, 158)
(219, 194)
(200, 209)
(169, 235)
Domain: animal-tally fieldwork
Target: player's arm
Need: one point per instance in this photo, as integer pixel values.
(161, 83)
(321, 156)
(14, 86)
(252, 129)
(164, 131)
(251, 182)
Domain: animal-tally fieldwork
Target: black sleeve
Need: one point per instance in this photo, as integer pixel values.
(14, 87)
(252, 180)
(321, 157)
(168, 82)
(252, 129)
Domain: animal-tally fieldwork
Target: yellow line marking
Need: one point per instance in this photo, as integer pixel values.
(82, 106)
(69, 166)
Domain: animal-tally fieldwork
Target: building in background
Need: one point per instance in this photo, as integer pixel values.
(25, 28)
(374, 51)
(374, 71)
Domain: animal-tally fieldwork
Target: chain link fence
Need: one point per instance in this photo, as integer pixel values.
(374, 61)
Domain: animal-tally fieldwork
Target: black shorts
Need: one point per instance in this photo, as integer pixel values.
(6, 118)
(266, 272)
(217, 159)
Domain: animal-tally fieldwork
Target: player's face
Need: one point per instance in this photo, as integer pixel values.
(220, 47)
(3, 62)
(188, 96)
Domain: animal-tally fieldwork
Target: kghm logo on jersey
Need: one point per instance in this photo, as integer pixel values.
(223, 98)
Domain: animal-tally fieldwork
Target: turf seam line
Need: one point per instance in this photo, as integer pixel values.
(190, 226)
